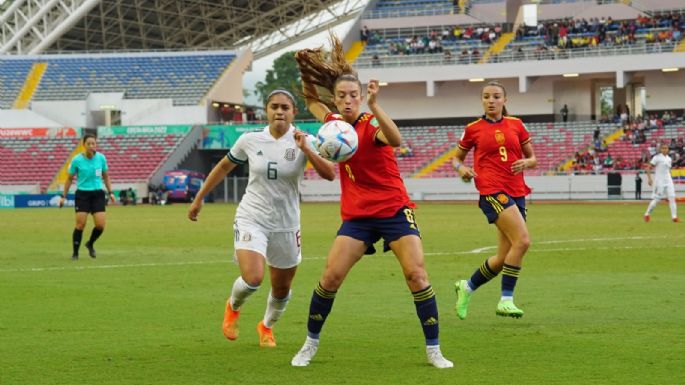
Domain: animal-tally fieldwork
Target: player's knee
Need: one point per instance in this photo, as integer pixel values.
(253, 279)
(523, 243)
(332, 281)
(416, 278)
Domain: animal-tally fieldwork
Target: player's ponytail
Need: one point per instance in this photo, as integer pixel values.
(316, 70)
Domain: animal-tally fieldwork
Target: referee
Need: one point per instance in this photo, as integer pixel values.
(90, 167)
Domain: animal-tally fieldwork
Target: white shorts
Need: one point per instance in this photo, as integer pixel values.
(281, 250)
(663, 190)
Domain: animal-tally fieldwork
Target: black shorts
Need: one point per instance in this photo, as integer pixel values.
(492, 205)
(370, 230)
(90, 201)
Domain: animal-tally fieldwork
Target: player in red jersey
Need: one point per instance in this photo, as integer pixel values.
(374, 201)
(502, 152)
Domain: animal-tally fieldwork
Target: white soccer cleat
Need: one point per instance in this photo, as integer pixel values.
(305, 355)
(436, 358)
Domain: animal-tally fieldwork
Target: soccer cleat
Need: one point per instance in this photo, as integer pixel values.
(436, 358)
(74, 257)
(647, 218)
(463, 298)
(305, 355)
(508, 309)
(266, 336)
(676, 220)
(230, 324)
(91, 250)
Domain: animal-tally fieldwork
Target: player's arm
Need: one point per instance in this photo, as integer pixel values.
(215, 177)
(528, 161)
(466, 173)
(389, 133)
(67, 186)
(315, 107)
(108, 185)
(324, 168)
(648, 171)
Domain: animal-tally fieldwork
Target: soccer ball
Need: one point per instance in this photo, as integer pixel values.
(337, 141)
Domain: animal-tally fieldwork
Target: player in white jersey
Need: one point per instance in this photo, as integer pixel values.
(267, 221)
(663, 183)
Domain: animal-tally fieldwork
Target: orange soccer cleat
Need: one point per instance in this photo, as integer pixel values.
(676, 219)
(266, 336)
(230, 325)
(647, 218)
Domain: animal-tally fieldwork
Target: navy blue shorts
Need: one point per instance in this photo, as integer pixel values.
(370, 230)
(494, 204)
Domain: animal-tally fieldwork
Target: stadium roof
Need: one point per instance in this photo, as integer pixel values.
(39, 26)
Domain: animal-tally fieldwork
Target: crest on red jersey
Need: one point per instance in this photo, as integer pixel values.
(499, 137)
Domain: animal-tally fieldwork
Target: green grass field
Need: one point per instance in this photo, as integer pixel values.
(602, 290)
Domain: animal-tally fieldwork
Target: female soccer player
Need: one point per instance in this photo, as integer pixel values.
(91, 168)
(503, 150)
(374, 202)
(267, 221)
(663, 183)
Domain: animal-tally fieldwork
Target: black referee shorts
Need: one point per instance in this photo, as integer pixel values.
(90, 201)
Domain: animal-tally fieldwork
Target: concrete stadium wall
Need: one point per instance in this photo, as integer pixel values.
(567, 187)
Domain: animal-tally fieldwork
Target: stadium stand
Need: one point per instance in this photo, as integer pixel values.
(12, 76)
(134, 158)
(405, 8)
(185, 78)
(25, 161)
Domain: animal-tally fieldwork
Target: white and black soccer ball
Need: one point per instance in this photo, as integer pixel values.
(337, 141)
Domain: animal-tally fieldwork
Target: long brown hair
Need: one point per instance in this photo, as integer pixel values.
(315, 69)
(495, 83)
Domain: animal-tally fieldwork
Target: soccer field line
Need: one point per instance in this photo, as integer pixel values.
(474, 251)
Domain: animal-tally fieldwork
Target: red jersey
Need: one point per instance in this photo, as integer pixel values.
(370, 181)
(497, 146)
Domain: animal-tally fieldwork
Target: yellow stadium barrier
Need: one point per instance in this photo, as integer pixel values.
(30, 85)
(63, 172)
(497, 47)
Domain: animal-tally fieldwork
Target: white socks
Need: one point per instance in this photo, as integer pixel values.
(275, 307)
(240, 293)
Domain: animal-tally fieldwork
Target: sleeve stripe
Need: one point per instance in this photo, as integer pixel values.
(234, 159)
(526, 141)
(463, 148)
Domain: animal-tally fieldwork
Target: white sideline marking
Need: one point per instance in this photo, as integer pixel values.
(486, 248)
(55, 268)
(474, 251)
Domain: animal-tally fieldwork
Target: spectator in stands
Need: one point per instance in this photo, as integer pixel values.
(380, 208)
(663, 183)
(91, 169)
(499, 163)
(262, 234)
(608, 161)
(375, 61)
(364, 35)
(564, 113)
(447, 57)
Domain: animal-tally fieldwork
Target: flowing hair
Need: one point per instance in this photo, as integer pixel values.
(319, 70)
(495, 83)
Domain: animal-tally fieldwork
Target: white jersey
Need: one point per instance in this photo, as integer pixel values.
(662, 169)
(276, 167)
